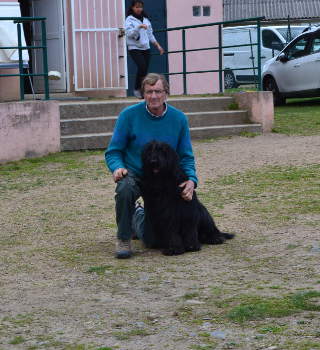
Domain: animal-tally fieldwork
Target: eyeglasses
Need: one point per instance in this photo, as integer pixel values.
(157, 92)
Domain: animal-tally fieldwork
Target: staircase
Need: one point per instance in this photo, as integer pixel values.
(89, 124)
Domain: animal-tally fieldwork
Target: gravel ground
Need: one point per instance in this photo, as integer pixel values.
(240, 153)
(53, 235)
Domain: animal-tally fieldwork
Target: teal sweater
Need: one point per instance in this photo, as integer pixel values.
(136, 126)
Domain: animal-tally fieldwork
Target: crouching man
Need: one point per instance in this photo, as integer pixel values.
(152, 119)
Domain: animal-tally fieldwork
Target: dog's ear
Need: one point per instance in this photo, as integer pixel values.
(147, 153)
(172, 159)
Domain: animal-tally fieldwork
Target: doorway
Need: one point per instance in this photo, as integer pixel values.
(157, 11)
(53, 10)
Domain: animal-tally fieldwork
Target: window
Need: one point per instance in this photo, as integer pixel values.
(289, 35)
(206, 10)
(196, 11)
(270, 39)
(315, 47)
(298, 49)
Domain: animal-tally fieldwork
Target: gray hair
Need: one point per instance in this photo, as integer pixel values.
(151, 79)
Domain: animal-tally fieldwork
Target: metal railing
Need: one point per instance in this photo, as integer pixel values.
(20, 48)
(185, 72)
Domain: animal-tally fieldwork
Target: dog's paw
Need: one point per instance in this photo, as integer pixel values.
(173, 251)
(193, 247)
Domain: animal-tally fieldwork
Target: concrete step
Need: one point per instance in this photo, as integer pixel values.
(106, 124)
(203, 104)
(87, 125)
(85, 141)
(200, 119)
(224, 130)
(94, 109)
(101, 140)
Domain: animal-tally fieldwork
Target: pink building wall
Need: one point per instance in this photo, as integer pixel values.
(180, 14)
(29, 129)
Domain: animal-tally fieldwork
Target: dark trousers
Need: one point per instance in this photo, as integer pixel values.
(129, 219)
(142, 59)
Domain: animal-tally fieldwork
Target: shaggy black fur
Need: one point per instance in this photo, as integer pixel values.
(178, 225)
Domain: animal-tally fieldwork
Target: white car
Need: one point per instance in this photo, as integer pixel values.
(295, 71)
(273, 40)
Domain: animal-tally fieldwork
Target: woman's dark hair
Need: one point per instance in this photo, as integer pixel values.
(133, 3)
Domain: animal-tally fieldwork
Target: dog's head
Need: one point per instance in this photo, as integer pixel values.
(159, 159)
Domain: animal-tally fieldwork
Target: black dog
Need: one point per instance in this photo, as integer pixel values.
(178, 225)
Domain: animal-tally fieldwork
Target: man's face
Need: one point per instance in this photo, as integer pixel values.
(155, 95)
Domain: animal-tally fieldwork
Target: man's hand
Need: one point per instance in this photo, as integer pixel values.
(118, 174)
(187, 192)
(143, 26)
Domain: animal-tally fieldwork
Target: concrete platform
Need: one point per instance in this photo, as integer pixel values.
(89, 124)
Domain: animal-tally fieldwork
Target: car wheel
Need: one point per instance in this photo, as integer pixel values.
(230, 80)
(271, 85)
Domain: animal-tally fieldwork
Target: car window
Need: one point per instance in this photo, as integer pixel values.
(298, 49)
(268, 36)
(315, 45)
(291, 33)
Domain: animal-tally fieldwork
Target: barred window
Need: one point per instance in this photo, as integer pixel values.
(206, 10)
(196, 10)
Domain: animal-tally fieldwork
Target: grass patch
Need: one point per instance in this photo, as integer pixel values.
(298, 117)
(257, 307)
(85, 347)
(189, 296)
(291, 246)
(75, 347)
(274, 329)
(242, 88)
(20, 320)
(36, 172)
(233, 106)
(68, 160)
(125, 335)
(304, 345)
(17, 340)
(277, 194)
(249, 134)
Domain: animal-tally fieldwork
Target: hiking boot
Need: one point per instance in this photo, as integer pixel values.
(123, 249)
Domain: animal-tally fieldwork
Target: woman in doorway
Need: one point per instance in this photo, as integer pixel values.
(139, 34)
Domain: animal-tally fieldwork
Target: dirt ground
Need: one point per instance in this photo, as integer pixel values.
(62, 288)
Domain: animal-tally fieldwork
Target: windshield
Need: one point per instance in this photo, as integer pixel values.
(295, 31)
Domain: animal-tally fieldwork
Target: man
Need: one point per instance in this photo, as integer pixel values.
(152, 119)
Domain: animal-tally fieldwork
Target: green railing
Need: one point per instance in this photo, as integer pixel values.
(20, 47)
(185, 72)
